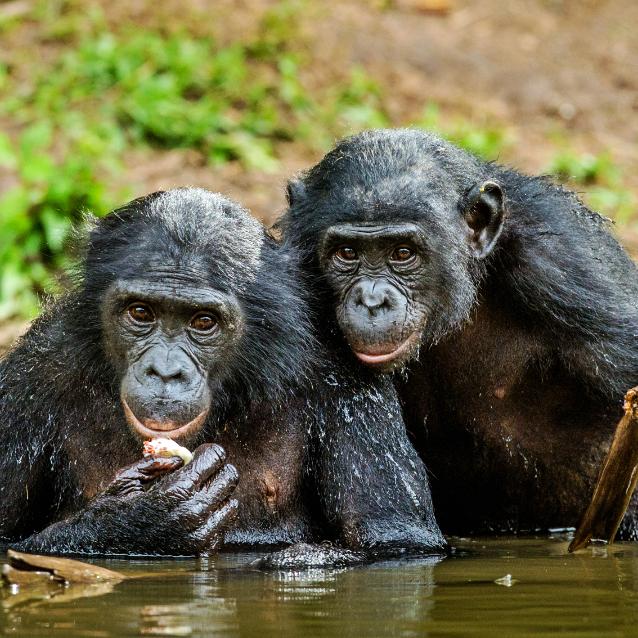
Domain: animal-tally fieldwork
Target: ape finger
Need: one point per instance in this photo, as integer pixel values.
(129, 480)
(209, 535)
(222, 486)
(207, 461)
(211, 496)
(159, 466)
(149, 467)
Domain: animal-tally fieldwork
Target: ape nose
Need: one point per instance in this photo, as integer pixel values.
(373, 297)
(166, 370)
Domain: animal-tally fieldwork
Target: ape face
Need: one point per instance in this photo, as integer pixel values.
(191, 317)
(169, 339)
(399, 222)
(379, 276)
(397, 285)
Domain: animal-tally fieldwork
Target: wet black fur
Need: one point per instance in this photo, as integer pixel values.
(59, 395)
(63, 434)
(561, 292)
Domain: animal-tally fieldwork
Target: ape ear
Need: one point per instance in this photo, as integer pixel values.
(295, 191)
(483, 211)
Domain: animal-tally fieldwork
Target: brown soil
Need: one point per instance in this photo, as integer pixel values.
(9, 332)
(541, 69)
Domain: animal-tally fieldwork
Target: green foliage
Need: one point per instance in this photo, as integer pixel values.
(74, 106)
(169, 92)
(601, 178)
(584, 169)
(109, 91)
(38, 212)
(358, 105)
(486, 141)
(619, 203)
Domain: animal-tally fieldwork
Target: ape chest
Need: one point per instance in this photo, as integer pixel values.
(269, 479)
(95, 467)
(267, 492)
(271, 490)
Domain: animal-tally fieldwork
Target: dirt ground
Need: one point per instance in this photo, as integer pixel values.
(542, 69)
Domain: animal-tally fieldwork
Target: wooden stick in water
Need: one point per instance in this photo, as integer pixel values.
(28, 569)
(616, 482)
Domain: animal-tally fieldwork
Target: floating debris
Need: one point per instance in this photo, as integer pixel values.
(33, 569)
(506, 581)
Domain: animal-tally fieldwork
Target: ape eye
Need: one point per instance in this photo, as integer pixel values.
(141, 313)
(402, 253)
(346, 253)
(203, 322)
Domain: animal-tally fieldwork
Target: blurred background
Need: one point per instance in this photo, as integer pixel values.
(104, 101)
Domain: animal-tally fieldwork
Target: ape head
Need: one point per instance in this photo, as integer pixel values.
(195, 305)
(395, 223)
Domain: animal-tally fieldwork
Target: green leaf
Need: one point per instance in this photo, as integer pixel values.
(56, 229)
(7, 154)
(35, 138)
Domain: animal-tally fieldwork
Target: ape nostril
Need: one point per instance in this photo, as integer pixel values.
(374, 302)
(165, 375)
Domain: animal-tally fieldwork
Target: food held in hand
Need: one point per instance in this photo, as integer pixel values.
(167, 448)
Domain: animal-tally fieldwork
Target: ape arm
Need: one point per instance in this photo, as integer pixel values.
(27, 493)
(181, 514)
(27, 458)
(372, 486)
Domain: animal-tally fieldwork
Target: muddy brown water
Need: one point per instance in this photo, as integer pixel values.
(549, 593)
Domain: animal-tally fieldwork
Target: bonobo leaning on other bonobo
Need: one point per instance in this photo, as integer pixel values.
(189, 323)
(512, 307)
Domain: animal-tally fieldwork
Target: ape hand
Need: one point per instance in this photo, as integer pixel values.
(194, 500)
(180, 514)
(137, 477)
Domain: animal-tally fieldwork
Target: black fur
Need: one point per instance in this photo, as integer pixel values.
(63, 434)
(527, 352)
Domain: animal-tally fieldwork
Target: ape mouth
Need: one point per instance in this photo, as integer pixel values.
(388, 353)
(151, 429)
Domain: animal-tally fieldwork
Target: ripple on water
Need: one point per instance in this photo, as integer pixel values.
(592, 593)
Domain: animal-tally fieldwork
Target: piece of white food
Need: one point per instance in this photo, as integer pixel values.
(166, 448)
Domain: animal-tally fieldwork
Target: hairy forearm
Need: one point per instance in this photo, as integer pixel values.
(372, 486)
(103, 528)
(81, 533)
(385, 537)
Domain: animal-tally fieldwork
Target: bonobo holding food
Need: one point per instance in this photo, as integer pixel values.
(189, 324)
(507, 305)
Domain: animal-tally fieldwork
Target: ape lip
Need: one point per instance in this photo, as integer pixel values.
(385, 357)
(165, 429)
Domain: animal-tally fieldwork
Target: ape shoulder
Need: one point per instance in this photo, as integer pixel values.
(560, 263)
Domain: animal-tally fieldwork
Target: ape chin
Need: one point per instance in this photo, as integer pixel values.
(389, 355)
(179, 430)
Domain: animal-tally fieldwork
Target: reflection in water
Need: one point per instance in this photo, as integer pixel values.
(51, 593)
(592, 593)
(336, 602)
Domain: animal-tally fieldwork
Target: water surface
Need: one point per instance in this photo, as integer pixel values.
(592, 593)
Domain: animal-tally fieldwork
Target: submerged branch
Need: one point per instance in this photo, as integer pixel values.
(28, 569)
